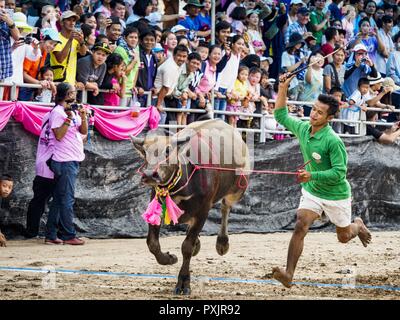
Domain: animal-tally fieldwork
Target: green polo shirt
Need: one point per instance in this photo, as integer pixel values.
(316, 17)
(328, 166)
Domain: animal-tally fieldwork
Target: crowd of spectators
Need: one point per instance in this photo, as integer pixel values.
(133, 49)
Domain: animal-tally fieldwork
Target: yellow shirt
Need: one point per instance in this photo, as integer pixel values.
(72, 62)
(241, 89)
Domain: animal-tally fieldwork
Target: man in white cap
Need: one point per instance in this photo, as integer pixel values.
(359, 66)
(295, 5)
(7, 30)
(64, 57)
(179, 30)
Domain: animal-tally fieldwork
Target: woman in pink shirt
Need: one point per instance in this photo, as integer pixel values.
(68, 126)
(207, 82)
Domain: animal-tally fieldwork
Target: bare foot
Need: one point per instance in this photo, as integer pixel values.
(281, 275)
(364, 234)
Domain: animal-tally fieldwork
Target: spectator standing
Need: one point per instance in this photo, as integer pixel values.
(167, 78)
(292, 59)
(227, 73)
(334, 71)
(21, 50)
(393, 64)
(358, 66)
(91, 72)
(182, 92)
(274, 37)
(43, 184)
(192, 20)
(385, 35)
(169, 43)
(147, 74)
(253, 32)
(128, 49)
(295, 5)
(348, 21)
(118, 11)
(68, 152)
(332, 39)
(63, 59)
(314, 80)
(50, 38)
(8, 30)
(303, 17)
(105, 8)
(335, 10)
(319, 21)
(114, 80)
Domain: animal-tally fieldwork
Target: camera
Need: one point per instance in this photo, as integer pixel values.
(28, 40)
(363, 60)
(76, 106)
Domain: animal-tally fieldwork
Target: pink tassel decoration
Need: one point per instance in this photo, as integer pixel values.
(153, 212)
(173, 210)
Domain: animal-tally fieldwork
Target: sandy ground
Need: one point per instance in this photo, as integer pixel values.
(251, 257)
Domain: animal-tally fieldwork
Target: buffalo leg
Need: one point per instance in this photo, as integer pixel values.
(188, 246)
(222, 245)
(154, 246)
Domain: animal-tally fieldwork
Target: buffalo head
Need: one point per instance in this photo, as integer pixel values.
(160, 154)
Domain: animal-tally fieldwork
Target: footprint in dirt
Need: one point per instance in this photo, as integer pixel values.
(36, 264)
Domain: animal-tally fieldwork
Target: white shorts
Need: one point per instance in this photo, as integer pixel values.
(338, 211)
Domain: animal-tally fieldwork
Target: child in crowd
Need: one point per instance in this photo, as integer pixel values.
(338, 93)
(357, 107)
(238, 94)
(115, 80)
(314, 80)
(46, 95)
(6, 187)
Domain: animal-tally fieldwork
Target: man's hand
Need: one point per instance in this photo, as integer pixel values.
(160, 108)
(303, 176)
(17, 44)
(3, 241)
(78, 36)
(83, 113)
(284, 80)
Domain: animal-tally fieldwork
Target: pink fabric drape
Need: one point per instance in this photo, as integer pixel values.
(113, 126)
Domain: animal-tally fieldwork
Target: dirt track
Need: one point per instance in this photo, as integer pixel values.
(251, 257)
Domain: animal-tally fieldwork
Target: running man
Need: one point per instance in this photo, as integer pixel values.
(324, 184)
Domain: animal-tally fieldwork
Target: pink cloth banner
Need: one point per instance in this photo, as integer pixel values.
(113, 126)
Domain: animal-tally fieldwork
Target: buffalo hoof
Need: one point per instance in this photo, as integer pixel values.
(167, 259)
(196, 248)
(183, 291)
(222, 245)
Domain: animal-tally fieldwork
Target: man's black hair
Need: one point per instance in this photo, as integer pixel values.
(182, 48)
(44, 69)
(331, 102)
(330, 33)
(239, 13)
(113, 3)
(129, 30)
(147, 32)
(194, 56)
(222, 26)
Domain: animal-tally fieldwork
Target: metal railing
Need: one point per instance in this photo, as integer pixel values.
(262, 116)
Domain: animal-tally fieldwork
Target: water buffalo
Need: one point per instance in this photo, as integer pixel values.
(211, 143)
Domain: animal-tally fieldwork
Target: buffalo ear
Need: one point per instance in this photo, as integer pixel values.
(138, 145)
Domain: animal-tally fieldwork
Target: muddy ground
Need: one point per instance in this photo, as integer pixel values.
(371, 271)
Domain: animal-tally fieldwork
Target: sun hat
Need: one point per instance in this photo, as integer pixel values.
(20, 22)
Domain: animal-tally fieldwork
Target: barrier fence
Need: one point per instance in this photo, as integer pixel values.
(262, 131)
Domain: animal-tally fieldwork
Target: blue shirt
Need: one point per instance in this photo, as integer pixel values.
(6, 67)
(335, 11)
(191, 23)
(205, 22)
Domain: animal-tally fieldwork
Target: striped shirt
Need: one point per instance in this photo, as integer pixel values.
(294, 27)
